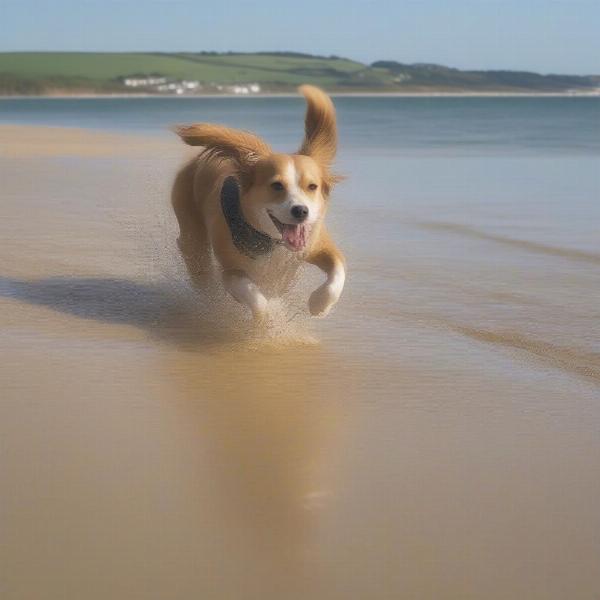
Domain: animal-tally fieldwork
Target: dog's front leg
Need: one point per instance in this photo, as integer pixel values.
(245, 291)
(330, 260)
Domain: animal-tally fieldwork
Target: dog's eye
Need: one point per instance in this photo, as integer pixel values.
(312, 186)
(277, 186)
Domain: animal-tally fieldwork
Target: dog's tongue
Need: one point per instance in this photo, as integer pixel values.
(294, 236)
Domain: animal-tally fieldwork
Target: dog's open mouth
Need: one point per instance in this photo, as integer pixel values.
(293, 236)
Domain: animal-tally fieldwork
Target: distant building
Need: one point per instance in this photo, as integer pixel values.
(185, 86)
(143, 81)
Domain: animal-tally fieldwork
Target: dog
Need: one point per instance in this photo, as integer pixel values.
(257, 214)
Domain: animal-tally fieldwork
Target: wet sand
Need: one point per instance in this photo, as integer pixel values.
(437, 436)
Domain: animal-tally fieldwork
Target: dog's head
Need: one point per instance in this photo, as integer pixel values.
(283, 195)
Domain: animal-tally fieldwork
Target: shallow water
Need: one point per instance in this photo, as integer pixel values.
(437, 436)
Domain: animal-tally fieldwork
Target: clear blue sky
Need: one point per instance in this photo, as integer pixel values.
(540, 35)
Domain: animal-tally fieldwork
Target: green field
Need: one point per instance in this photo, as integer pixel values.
(71, 72)
(103, 70)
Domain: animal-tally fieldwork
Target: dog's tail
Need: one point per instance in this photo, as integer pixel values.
(320, 139)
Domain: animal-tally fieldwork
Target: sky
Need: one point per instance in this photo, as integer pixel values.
(548, 36)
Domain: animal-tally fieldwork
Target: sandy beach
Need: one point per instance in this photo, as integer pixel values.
(435, 437)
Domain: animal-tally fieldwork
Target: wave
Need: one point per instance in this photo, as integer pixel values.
(580, 362)
(530, 246)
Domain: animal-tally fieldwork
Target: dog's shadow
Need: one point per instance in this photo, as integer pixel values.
(176, 315)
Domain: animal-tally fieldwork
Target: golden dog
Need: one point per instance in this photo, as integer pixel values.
(260, 214)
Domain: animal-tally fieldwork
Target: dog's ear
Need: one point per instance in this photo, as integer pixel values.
(320, 139)
(244, 148)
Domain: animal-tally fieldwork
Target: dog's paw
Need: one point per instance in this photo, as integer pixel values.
(322, 300)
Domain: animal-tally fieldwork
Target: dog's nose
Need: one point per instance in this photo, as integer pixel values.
(300, 212)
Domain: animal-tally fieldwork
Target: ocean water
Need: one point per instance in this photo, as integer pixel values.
(436, 436)
(447, 126)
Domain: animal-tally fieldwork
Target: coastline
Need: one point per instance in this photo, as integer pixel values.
(467, 94)
(28, 141)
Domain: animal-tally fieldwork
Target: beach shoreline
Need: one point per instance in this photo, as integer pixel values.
(122, 96)
(28, 141)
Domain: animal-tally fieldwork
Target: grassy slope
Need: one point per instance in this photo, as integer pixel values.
(438, 75)
(102, 67)
(40, 72)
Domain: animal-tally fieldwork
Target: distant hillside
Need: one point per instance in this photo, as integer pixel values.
(438, 76)
(211, 72)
